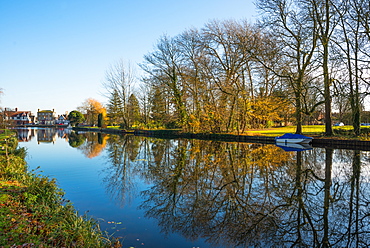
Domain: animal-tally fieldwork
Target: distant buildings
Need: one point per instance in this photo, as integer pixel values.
(44, 117)
(17, 117)
(62, 120)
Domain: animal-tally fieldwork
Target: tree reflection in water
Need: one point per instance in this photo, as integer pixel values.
(121, 155)
(94, 144)
(239, 194)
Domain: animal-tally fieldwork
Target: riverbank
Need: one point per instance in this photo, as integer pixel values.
(318, 141)
(33, 212)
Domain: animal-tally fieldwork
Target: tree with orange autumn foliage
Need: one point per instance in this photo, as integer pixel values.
(91, 108)
(267, 109)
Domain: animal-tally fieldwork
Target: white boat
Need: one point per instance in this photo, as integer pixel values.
(294, 147)
(293, 138)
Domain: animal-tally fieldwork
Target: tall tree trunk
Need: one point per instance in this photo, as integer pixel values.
(356, 105)
(325, 37)
(327, 95)
(298, 110)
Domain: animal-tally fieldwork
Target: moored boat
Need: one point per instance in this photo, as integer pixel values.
(294, 147)
(293, 138)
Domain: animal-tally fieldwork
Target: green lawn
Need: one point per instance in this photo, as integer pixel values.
(114, 127)
(307, 130)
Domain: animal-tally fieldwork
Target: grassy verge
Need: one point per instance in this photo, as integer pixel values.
(345, 132)
(277, 131)
(33, 212)
(317, 131)
(8, 141)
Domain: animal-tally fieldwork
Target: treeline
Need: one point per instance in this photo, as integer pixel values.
(300, 60)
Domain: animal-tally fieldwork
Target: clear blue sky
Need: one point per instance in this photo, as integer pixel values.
(54, 53)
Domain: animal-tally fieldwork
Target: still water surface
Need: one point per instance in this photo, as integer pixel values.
(194, 193)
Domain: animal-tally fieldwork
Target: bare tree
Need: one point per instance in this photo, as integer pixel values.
(163, 67)
(325, 15)
(212, 80)
(296, 32)
(119, 80)
(349, 46)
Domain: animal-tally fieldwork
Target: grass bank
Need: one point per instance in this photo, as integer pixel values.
(33, 212)
(340, 132)
(8, 141)
(344, 132)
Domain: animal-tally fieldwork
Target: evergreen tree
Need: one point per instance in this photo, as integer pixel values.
(160, 108)
(133, 110)
(115, 109)
(100, 120)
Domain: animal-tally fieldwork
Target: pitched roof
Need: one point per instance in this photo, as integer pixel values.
(22, 113)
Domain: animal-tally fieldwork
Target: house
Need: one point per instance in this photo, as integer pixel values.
(16, 117)
(62, 120)
(46, 117)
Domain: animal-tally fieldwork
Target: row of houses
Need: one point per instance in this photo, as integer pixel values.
(43, 117)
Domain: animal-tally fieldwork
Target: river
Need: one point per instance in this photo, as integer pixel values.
(196, 193)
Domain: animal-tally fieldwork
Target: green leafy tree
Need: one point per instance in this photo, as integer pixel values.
(75, 117)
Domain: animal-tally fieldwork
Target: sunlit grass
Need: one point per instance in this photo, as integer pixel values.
(345, 132)
(307, 130)
(277, 131)
(341, 132)
(114, 127)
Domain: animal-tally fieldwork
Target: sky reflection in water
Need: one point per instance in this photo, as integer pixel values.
(83, 181)
(168, 193)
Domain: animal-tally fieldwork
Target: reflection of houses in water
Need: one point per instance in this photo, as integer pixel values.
(47, 135)
(25, 134)
(64, 133)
